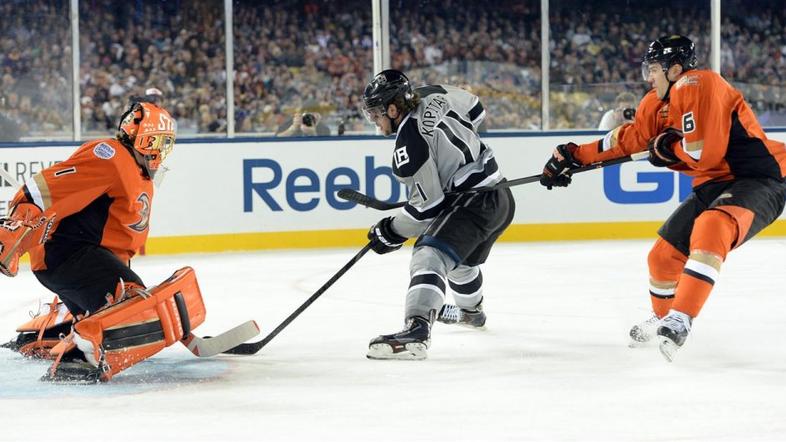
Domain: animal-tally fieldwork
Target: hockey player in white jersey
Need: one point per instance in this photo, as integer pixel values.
(437, 150)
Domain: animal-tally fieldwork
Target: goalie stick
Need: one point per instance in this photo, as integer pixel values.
(367, 201)
(253, 347)
(10, 179)
(213, 345)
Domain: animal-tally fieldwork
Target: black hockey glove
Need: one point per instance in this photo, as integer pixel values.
(661, 148)
(561, 161)
(383, 238)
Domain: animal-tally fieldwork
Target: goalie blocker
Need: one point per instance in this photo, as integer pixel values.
(130, 330)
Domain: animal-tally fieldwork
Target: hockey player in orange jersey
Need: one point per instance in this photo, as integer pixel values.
(82, 220)
(694, 122)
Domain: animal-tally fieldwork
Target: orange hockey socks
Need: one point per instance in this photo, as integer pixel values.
(714, 234)
(665, 265)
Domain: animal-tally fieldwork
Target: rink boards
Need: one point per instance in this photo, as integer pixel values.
(280, 193)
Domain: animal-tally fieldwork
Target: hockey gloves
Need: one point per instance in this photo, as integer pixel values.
(661, 148)
(561, 161)
(26, 228)
(383, 238)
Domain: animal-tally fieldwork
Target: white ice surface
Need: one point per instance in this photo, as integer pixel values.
(552, 365)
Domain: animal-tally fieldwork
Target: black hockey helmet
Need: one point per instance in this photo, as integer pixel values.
(668, 51)
(385, 87)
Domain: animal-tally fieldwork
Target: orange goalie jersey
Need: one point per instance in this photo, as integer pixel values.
(722, 137)
(98, 196)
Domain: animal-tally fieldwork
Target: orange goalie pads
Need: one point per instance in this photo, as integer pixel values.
(40, 334)
(136, 328)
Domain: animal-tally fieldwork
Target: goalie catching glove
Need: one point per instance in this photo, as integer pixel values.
(25, 228)
(557, 168)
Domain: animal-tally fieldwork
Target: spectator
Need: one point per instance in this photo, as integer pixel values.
(303, 124)
(623, 112)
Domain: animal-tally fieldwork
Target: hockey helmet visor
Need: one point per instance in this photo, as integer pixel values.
(668, 51)
(382, 90)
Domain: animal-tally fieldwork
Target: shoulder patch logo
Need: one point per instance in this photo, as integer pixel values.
(104, 151)
(687, 80)
(400, 156)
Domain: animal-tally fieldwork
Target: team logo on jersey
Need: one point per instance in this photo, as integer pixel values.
(687, 81)
(400, 156)
(144, 214)
(104, 151)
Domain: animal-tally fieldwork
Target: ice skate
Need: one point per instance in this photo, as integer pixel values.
(72, 368)
(408, 344)
(73, 372)
(673, 332)
(453, 314)
(642, 333)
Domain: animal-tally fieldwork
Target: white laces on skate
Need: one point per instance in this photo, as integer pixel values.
(450, 313)
(643, 332)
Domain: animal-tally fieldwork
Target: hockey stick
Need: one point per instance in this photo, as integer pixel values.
(11, 180)
(211, 346)
(365, 200)
(253, 347)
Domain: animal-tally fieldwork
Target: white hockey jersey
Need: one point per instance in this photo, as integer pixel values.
(438, 150)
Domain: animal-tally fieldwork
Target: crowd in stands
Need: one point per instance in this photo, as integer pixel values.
(315, 56)
(35, 68)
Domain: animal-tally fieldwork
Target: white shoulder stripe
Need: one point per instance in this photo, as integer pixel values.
(35, 192)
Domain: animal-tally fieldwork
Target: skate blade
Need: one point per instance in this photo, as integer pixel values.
(668, 348)
(640, 344)
(70, 379)
(73, 374)
(472, 327)
(410, 352)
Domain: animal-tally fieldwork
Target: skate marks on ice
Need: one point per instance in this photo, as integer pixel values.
(19, 377)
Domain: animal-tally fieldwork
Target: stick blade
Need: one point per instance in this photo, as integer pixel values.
(211, 346)
(245, 349)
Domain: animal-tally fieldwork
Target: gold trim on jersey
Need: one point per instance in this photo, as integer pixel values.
(693, 146)
(43, 189)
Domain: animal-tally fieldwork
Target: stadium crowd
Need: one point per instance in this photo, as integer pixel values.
(315, 56)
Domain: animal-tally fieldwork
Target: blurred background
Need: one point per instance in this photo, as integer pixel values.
(315, 56)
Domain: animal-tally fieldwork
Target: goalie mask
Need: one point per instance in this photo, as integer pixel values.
(149, 131)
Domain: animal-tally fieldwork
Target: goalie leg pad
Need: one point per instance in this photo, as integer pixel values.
(141, 325)
(39, 335)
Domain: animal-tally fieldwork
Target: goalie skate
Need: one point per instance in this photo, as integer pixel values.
(74, 372)
(71, 365)
(408, 344)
